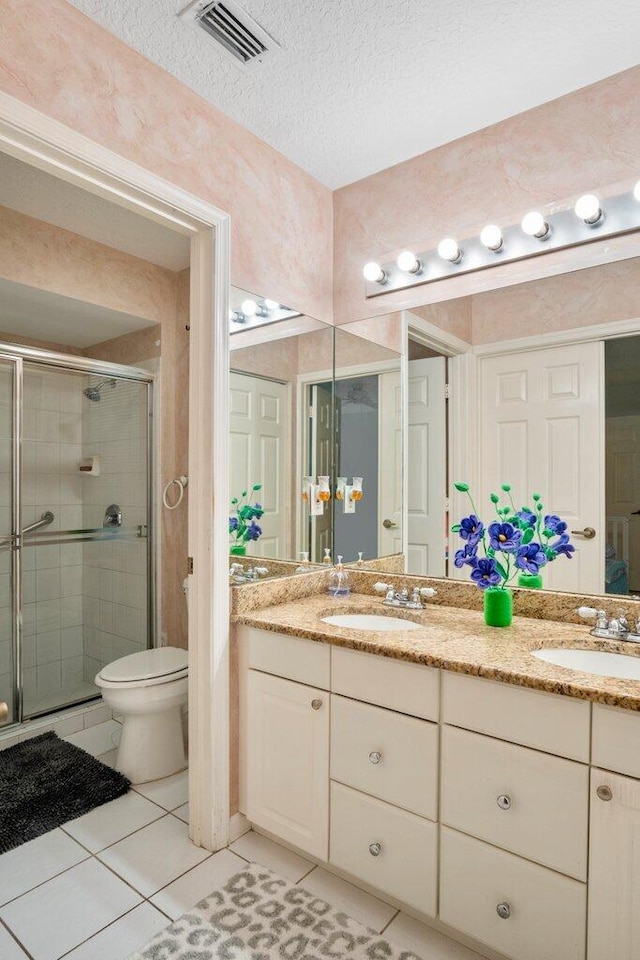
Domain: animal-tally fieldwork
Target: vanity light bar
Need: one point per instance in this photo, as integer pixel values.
(590, 219)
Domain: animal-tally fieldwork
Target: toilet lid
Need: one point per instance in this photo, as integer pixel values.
(146, 665)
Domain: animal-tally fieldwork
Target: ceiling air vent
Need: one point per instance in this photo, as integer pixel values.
(236, 32)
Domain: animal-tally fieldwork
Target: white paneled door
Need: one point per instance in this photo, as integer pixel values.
(259, 445)
(541, 429)
(427, 457)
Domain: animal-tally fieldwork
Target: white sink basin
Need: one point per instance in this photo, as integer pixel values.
(593, 661)
(369, 621)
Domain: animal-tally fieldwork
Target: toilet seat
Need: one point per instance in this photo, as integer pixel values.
(146, 668)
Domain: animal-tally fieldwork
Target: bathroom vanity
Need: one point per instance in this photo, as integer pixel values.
(450, 771)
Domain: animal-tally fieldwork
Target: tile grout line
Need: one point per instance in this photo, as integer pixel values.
(13, 937)
(387, 925)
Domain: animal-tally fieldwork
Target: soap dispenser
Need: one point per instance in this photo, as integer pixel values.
(327, 556)
(339, 581)
(305, 566)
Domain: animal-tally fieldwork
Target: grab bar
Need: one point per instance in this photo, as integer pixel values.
(46, 518)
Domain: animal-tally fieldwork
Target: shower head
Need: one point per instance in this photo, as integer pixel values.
(93, 393)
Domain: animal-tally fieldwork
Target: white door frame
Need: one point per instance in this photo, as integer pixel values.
(34, 138)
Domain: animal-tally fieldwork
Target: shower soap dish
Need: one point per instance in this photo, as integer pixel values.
(90, 466)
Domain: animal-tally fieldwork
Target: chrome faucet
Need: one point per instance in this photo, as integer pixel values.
(402, 598)
(239, 575)
(610, 628)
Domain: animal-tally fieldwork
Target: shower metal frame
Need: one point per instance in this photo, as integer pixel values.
(17, 356)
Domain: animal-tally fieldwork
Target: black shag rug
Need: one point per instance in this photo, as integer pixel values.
(45, 782)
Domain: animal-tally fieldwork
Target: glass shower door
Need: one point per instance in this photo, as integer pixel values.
(86, 595)
(9, 685)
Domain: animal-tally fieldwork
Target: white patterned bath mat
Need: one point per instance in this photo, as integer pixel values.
(259, 916)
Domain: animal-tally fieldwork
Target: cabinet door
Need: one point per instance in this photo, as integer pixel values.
(287, 766)
(614, 868)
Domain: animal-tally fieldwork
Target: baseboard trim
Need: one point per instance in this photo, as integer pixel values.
(238, 825)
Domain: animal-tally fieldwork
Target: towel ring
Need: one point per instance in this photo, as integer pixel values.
(181, 482)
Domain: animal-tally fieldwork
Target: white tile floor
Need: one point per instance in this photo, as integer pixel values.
(102, 885)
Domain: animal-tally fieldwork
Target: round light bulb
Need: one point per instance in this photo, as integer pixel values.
(491, 237)
(588, 208)
(636, 191)
(535, 225)
(272, 304)
(249, 308)
(448, 249)
(232, 314)
(408, 262)
(373, 272)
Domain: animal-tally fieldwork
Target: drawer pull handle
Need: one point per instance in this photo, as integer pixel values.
(504, 911)
(504, 802)
(375, 849)
(375, 756)
(605, 793)
(316, 704)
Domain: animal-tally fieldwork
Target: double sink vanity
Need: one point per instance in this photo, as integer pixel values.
(447, 767)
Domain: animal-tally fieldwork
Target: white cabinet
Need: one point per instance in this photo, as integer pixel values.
(525, 801)
(386, 847)
(519, 908)
(614, 868)
(287, 759)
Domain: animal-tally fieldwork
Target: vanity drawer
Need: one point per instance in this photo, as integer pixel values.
(546, 911)
(406, 864)
(293, 658)
(533, 718)
(389, 755)
(407, 687)
(527, 802)
(616, 739)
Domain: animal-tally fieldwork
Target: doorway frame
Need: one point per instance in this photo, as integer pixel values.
(34, 138)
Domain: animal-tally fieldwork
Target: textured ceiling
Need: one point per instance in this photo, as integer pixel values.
(363, 84)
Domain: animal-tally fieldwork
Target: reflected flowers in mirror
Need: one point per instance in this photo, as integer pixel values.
(243, 527)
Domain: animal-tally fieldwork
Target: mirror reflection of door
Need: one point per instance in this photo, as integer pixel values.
(540, 431)
(259, 453)
(320, 462)
(427, 462)
(622, 461)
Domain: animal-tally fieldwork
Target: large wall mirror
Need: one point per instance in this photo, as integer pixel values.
(313, 409)
(544, 395)
(535, 385)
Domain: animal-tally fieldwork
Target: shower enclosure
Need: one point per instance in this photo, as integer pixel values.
(76, 561)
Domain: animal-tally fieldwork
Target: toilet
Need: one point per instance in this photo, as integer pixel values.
(149, 690)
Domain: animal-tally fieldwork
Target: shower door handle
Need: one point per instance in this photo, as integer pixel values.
(4, 711)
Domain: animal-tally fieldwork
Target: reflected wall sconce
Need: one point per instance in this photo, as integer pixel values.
(590, 219)
(316, 494)
(349, 493)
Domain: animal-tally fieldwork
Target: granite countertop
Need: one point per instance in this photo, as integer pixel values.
(457, 639)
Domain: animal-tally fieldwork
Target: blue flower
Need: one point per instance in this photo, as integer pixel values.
(233, 524)
(504, 536)
(253, 531)
(531, 558)
(471, 529)
(555, 524)
(562, 545)
(466, 555)
(257, 510)
(526, 517)
(485, 573)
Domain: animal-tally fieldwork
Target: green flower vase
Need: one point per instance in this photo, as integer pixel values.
(238, 550)
(530, 581)
(498, 607)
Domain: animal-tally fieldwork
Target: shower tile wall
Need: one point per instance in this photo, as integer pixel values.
(53, 647)
(115, 575)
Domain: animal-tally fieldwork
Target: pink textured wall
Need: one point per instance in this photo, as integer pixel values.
(63, 64)
(587, 140)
